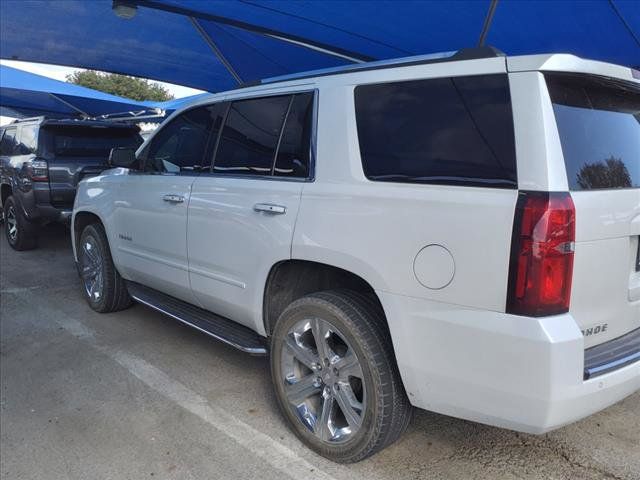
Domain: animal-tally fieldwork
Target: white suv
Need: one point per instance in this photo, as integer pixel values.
(458, 234)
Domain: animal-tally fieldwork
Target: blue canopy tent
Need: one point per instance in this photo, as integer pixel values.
(176, 103)
(218, 45)
(27, 94)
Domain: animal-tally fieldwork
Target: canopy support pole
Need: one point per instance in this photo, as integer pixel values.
(487, 22)
(71, 106)
(267, 32)
(212, 45)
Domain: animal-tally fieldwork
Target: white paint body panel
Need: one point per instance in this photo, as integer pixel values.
(154, 248)
(345, 225)
(458, 352)
(538, 151)
(514, 372)
(606, 287)
(232, 247)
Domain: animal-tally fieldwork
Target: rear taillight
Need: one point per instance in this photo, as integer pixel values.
(542, 246)
(38, 171)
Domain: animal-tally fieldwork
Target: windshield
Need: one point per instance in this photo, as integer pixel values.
(92, 141)
(599, 125)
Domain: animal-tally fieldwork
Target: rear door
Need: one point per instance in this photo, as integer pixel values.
(150, 215)
(242, 214)
(598, 122)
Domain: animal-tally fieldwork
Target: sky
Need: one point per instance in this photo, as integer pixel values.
(59, 73)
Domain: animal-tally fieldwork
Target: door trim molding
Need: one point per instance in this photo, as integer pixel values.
(217, 276)
(153, 258)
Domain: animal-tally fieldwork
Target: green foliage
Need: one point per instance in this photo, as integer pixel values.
(121, 85)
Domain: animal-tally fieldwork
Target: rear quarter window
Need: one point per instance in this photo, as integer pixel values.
(8, 141)
(28, 139)
(598, 122)
(455, 131)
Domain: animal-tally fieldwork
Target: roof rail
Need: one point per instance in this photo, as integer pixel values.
(132, 115)
(29, 119)
(453, 56)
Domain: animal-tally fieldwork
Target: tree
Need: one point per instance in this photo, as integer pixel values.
(121, 85)
(612, 173)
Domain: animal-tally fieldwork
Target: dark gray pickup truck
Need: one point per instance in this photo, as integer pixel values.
(41, 162)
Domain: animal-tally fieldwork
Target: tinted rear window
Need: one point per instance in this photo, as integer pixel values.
(599, 126)
(91, 141)
(295, 145)
(250, 136)
(456, 131)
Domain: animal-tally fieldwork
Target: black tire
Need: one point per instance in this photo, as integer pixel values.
(360, 320)
(25, 235)
(113, 295)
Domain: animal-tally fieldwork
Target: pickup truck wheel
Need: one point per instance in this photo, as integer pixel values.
(21, 234)
(104, 288)
(335, 375)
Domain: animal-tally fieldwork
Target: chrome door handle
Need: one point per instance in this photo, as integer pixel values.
(270, 208)
(173, 198)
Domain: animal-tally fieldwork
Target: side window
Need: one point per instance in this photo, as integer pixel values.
(295, 145)
(8, 142)
(250, 136)
(455, 131)
(180, 146)
(28, 139)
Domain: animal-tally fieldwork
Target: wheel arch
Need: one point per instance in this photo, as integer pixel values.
(291, 279)
(81, 220)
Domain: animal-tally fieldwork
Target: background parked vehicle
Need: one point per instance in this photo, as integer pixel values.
(41, 162)
(445, 233)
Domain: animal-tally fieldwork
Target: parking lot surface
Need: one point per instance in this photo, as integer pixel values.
(135, 395)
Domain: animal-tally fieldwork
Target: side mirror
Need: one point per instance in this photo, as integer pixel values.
(122, 157)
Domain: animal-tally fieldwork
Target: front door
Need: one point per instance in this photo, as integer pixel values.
(151, 209)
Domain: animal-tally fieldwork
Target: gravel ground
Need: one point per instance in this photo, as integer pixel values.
(135, 395)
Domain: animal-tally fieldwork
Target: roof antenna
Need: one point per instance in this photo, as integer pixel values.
(487, 22)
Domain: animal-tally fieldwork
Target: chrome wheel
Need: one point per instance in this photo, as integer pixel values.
(91, 269)
(12, 224)
(323, 380)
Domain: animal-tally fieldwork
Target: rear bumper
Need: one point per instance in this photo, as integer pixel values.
(36, 206)
(51, 213)
(612, 355)
(520, 373)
